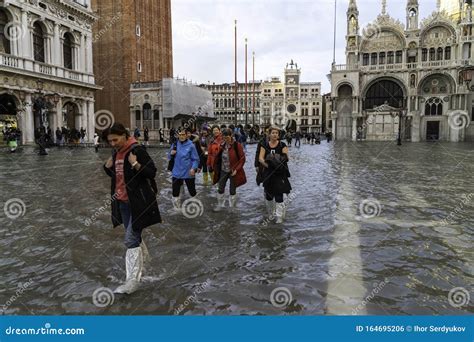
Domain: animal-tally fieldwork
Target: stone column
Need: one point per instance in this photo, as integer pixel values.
(84, 110)
(26, 42)
(89, 53)
(82, 54)
(161, 117)
(28, 124)
(354, 128)
(132, 118)
(90, 121)
(57, 57)
(415, 127)
(59, 113)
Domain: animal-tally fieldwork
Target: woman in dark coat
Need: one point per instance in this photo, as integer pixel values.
(274, 159)
(134, 204)
(229, 165)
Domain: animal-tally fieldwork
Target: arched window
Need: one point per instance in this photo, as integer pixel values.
(225, 103)
(67, 51)
(382, 92)
(373, 58)
(432, 54)
(365, 59)
(137, 118)
(434, 106)
(390, 57)
(399, 55)
(447, 53)
(382, 58)
(4, 42)
(147, 115)
(439, 55)
(38, 43)
(424, 55)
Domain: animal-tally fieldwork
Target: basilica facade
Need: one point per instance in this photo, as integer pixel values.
(410, 80)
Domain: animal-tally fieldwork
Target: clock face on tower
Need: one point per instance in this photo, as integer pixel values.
(291, 108)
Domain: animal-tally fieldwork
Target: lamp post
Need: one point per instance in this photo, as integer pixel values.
(401, 114)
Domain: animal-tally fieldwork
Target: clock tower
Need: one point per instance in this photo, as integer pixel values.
(292, 94)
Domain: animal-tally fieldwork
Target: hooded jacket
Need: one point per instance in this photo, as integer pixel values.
(186, 158)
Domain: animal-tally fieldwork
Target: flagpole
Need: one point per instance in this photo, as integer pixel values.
(235, 73)
(246, 89)
(253, 88)
(335, 27)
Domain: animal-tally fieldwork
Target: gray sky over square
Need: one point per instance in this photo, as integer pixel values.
(277, 30)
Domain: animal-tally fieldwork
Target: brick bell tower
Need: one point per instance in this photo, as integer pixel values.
(132, 42)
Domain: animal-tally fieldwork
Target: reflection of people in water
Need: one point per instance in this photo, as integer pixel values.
(42, 140)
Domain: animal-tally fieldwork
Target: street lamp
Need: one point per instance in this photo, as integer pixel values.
(401, 114)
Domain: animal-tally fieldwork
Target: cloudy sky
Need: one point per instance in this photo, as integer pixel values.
(277, 30)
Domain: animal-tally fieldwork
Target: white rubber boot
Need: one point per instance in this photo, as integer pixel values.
(270, 209)
(279, 212)
(233, 201)
(146, 256)
(176, 206)
(134, 268)
(220, 202)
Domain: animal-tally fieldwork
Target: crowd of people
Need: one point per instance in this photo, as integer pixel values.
(217, 152)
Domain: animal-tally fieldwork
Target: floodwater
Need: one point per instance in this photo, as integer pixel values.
(371, 228)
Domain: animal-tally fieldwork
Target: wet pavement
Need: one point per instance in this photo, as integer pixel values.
(371, 228)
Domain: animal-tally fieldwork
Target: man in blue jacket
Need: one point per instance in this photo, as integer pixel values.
(186, 163)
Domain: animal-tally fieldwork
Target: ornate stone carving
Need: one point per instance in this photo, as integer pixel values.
(436, 17)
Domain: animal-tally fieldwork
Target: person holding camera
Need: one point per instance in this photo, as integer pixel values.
(274, 159)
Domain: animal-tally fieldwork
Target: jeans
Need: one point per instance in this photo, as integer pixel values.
(223, 181)
(132, 238)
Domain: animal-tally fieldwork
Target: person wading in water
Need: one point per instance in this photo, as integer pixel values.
(134, 204)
